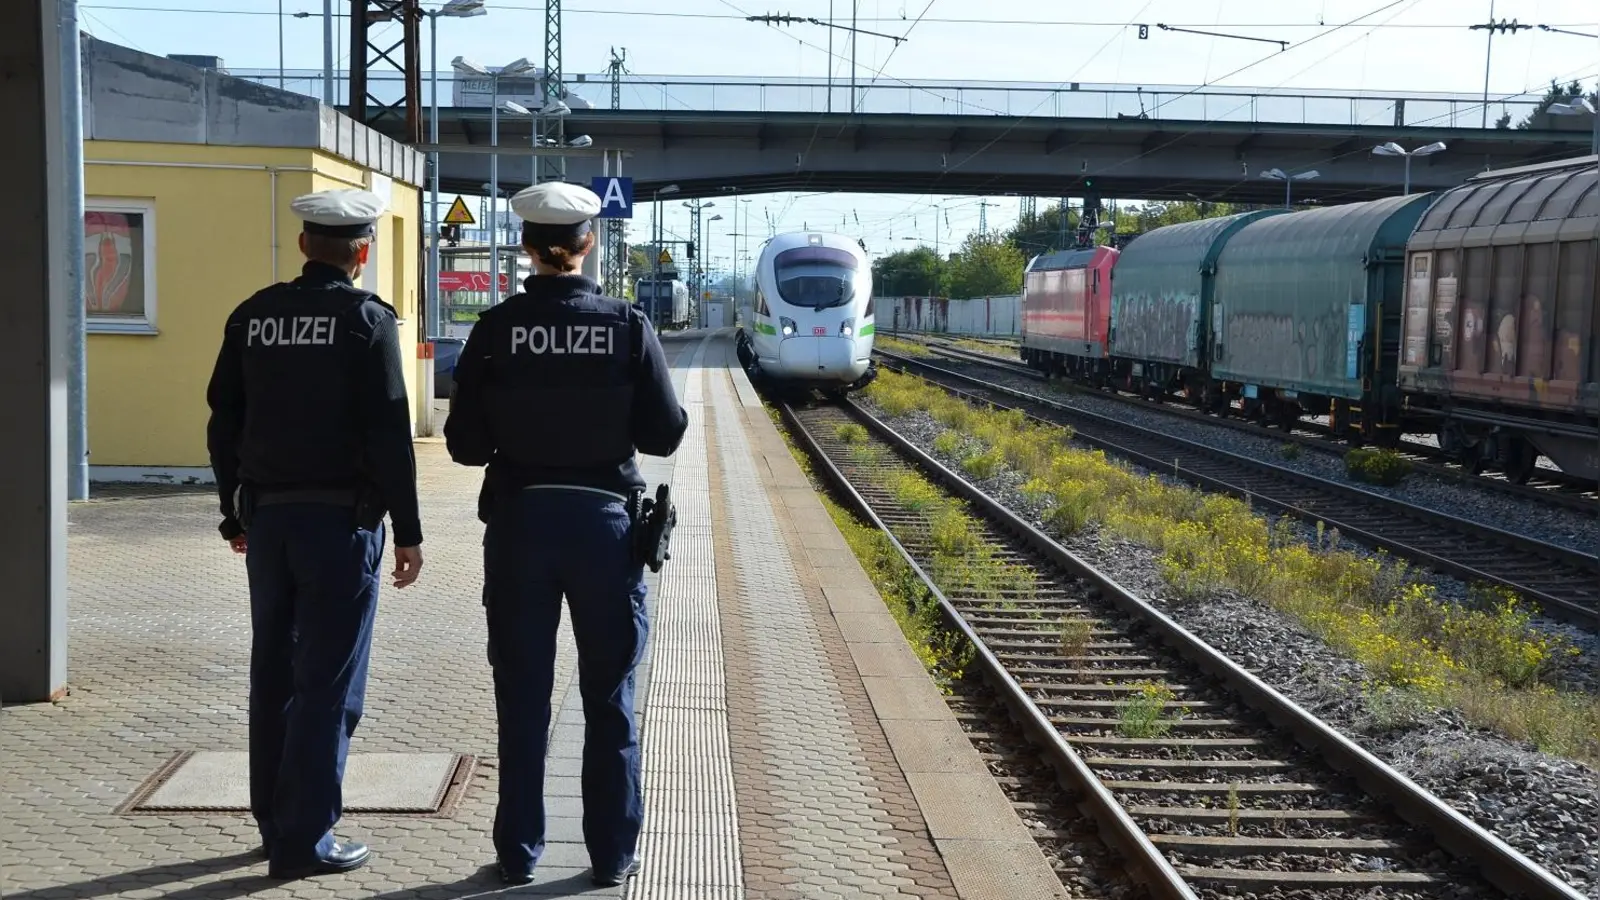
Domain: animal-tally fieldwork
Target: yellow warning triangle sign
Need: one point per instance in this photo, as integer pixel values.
(459, 214)
(665, 258)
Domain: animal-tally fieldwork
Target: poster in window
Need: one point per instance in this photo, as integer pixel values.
(113, 264)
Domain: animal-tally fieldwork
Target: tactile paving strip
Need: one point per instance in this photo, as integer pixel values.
(690, 844)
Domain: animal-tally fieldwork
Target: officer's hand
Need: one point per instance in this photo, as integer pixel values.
(407, 563)
(239, 544)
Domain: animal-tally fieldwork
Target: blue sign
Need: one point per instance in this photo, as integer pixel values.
(1354, 329)
(616, 196)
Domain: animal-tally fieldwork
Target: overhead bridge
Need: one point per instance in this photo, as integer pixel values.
(977, 138)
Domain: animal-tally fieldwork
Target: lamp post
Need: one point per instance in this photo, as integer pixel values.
(557, 108)
(1580, 106)
(696, 234)
(1289, 180)
(510, 70)
(705, 256)
(660, 228)
(455, 9)
(702, 284)
(1393, 149)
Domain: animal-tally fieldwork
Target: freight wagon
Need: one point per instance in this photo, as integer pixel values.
(1160, 316)
(1502, 313)
(1066, 303)
(1306, 315)
(1473, 317)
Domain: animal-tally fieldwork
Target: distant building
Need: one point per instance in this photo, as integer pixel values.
(188, 176)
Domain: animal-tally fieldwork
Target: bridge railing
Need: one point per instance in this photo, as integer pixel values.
(970, 98)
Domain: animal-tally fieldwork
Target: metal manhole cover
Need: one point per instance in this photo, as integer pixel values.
(208, 781)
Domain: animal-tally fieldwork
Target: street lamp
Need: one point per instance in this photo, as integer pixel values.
(1580, 106)
(660, 228)
(510, 70)
(1393, 149)
(705, 254)
(1289, 180)
(454, 9)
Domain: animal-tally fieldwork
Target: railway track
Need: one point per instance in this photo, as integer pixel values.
(1202, 779)
(1545, 485)
(1564, 582)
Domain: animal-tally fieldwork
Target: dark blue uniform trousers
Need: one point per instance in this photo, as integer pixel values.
(542, 543)
(313, 595)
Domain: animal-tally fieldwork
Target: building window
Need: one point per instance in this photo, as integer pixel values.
(119, 272)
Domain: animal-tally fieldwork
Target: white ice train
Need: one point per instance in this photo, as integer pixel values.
(811, 324)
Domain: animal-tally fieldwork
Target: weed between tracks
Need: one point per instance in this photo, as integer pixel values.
(902, 347)
(939, 651)
(1483, 659)
(985, 348)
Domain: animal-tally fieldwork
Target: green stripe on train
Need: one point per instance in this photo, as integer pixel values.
(866, 330)
(765, 328)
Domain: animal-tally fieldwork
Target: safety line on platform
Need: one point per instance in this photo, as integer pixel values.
(690, 844)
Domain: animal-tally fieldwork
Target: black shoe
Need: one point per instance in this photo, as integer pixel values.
(342, 858)
(515, 877)
(612, 879)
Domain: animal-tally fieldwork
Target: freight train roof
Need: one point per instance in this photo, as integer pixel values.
(1349, 233)
(1566, 198)
(1193, 246)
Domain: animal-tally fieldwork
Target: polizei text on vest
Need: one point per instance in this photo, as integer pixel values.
(590, 339)
(284, 331)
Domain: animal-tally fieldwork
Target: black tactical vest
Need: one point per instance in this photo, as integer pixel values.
(559, 390)
(302, 351)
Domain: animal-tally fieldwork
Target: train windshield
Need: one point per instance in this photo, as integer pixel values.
(816, 277)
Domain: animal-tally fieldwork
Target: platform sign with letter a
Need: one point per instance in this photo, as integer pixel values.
(616, 196)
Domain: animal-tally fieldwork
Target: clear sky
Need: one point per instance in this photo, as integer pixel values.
(1397, 45)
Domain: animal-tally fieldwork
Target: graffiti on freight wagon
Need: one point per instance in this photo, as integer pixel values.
(1267, 346)
(1157, 327)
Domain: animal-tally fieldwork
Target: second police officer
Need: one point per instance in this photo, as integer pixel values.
(555, 390)
(310, 440)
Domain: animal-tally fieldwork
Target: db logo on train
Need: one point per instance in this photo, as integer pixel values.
(819, 330)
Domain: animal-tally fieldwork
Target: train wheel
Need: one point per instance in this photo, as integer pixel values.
(1521, 459)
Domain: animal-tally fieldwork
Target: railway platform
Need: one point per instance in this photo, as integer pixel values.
(793, 745)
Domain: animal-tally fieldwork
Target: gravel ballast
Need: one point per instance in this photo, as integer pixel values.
(1561, 526)
(1546, 807)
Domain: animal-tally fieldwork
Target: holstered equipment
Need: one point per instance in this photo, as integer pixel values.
(653, 521)
(369, 507)
(244, 505)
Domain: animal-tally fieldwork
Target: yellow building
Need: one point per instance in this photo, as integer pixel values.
(188, 176)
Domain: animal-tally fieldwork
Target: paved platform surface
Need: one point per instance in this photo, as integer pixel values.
(793, 746)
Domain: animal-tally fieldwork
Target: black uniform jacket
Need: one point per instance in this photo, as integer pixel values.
(308, 393)
(561, 385)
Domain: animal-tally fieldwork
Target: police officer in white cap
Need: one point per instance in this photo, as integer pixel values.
(310, 440)
(555, 390)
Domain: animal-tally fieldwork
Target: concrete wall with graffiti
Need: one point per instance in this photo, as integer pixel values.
(1001, 316)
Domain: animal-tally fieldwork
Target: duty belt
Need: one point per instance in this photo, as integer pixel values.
(331, 497)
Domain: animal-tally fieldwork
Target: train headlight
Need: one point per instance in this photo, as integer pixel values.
(787, 325)
(847, 328)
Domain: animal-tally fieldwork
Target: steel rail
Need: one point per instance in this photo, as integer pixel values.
(1569, 492)
(1499, 863)
(1145, 863)
(1557, 607)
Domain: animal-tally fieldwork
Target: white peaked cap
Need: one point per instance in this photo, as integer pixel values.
(555, 203)
(343, 212)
